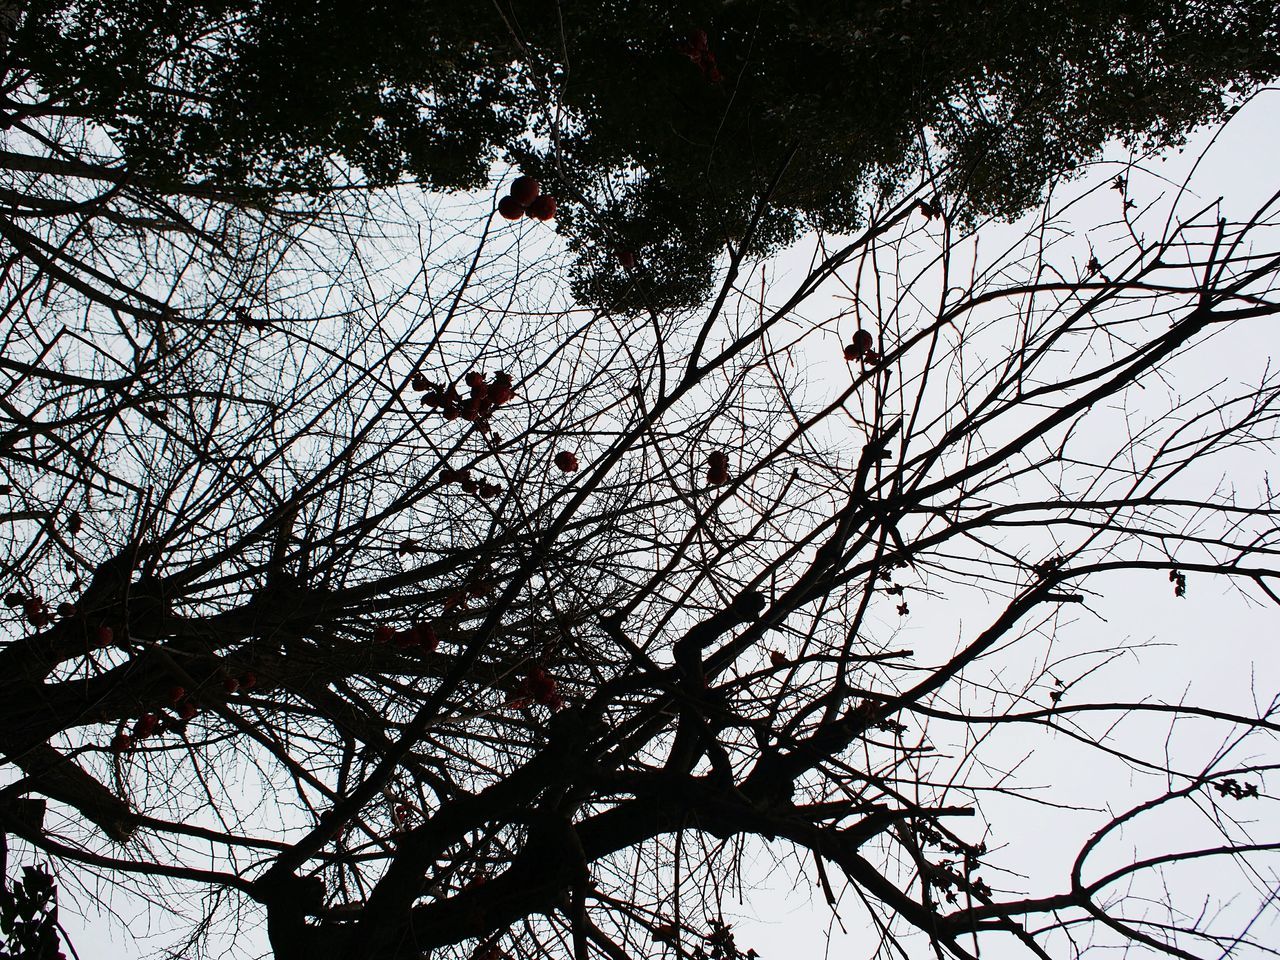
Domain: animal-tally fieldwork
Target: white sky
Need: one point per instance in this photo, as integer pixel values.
(1219, 650)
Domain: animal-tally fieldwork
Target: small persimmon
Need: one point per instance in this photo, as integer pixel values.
(544, 208)
(525, 190)
(510, 208)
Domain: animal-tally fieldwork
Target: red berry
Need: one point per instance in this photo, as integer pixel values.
(718, 468)
(121, 742)
(420, 383)
(66, 609)
(627, 259)
(524, 190)
(176, 694)
(510, 208)
(145, 726)
(249, 680)
(383, 634)
(862, 342)
(188, 710)
(104, 636)
(231, 684)
(544, 208)
(73, 523)
(566, 461)
(777, 658)
(542, 686)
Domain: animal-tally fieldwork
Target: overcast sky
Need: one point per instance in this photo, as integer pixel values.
(1216, 649)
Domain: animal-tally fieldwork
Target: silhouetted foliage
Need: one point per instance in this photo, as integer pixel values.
(29, 917)
(664, 126)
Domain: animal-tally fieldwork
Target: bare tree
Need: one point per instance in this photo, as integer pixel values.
(402, 603)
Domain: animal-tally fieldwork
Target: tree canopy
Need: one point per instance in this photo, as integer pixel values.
(661, 126)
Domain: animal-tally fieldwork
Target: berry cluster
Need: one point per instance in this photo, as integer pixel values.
(860, 348)
(480, 585)
(526, 196)
(420, 635)
(537, 687)
(246, 681)
(718, 468)
(34, 609)
(483, 489)
(183, 704)
(147, 724)
(695, 48)
(482, 399)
